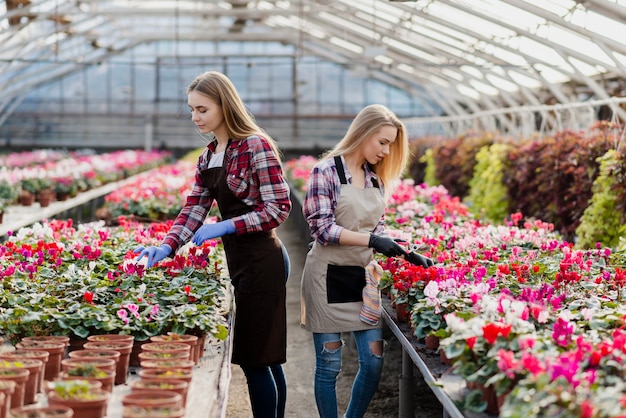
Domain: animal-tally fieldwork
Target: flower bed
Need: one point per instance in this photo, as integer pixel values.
(58, 278)
(518, 310)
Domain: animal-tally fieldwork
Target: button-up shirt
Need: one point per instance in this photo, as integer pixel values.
(322, 194)
(254, 175)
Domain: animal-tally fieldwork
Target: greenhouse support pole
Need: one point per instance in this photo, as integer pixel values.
(149, 133)
(407, 387)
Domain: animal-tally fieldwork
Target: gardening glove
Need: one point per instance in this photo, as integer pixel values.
(386, 246)
(154, 254)
(419, 260)
(209, 231)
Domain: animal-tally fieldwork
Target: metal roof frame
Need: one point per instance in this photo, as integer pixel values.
(461, 56)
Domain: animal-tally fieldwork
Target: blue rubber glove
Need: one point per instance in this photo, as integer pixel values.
(154, 254)
(209, 231)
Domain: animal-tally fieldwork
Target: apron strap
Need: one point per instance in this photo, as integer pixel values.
(340, 170)
(342, 174)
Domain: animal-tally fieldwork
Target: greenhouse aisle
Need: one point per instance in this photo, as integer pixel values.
(300, 356)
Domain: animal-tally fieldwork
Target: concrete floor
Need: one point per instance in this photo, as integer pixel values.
(300, 364)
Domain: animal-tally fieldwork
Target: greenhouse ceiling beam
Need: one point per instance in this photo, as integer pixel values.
(399, 56)
(532, 74)
(346, 59)
(563, 50)
(606, 8)
(580, 30)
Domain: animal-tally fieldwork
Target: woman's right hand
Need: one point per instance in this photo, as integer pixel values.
(386, 246)
(154, 254)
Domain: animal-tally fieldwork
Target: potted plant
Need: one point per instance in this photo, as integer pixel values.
(42, 412)
(8, 194)
(153, 398)
(134, 411)
(85, 399)
(90, 372)
(178, 386)
(34, 368)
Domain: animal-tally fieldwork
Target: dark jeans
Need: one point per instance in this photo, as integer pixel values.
(268, 390)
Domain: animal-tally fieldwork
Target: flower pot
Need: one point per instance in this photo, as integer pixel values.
(20, 377)
(32, 383)
(432, 342)
(75, 344)
(168, 364)
(38, 355)
(107, 364)
(401, 312)
(134, 354)
(105, 377)
(177, 374)
(111, 337)
(443, 358)
(122, 347)
(42, 412)
(174, 385)
(7, 387)
(3, 401)
(161, 355)
(47, 338)
(92, 407)
(26, 198)
(56, 351)
(168, 347)
(152, 412)
(191, 340)
(153, 398)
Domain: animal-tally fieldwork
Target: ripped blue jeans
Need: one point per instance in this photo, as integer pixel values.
(328, 366)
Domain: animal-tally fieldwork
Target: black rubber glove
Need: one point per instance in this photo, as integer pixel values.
(386, 246)
(419, 260)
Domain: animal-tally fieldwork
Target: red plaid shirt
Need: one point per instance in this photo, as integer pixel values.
(254, 175)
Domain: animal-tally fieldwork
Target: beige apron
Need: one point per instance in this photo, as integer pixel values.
(334, 275)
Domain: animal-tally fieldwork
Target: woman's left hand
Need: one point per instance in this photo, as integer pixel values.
(209, 231)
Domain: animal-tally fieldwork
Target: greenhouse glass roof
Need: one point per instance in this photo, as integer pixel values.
(467, 56)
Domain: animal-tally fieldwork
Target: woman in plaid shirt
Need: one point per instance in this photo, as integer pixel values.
(344, 207)
(240, 170)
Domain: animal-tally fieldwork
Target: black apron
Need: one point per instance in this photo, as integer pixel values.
(257, 271)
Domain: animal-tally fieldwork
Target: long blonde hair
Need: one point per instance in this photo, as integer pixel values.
(240, 123)
(366, 123)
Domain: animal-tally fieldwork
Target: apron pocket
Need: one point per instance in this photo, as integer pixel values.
(344, 283)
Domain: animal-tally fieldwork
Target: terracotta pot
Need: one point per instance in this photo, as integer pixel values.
(134, 354)
(432, 342)
(444, 359)
(153, 398)
(111, 337)
(95, 355)
(123, 347)
(20, 377)
(168, 347)
(174, 385)
(26, 198)
(107, 380)
(177, 374)
(56, 352)
(161, 355)
(168, 364)
(152, 412)
(38, 355)
(191, 340)
(75, 344)
(101, 363)
(34, 375)
(401, 312)
(47, 338)
(43, 412)
(95, 407)
(489, 396)
(3, 402)
(7, 387)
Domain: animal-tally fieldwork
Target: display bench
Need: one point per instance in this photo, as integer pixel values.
(81, 208)
(445, 385)
(208, 390)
